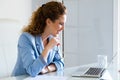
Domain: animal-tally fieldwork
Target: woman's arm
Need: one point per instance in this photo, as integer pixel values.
(58, 60)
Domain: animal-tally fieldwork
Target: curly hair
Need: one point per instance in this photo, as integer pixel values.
(52, 10)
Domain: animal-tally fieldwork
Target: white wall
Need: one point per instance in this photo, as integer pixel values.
(119, 33)
(88, 31)
(15, 9)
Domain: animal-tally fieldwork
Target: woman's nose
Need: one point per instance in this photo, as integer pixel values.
(62, 28)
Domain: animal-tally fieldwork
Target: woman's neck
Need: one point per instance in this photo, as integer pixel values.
(44, 36)
(44, 39)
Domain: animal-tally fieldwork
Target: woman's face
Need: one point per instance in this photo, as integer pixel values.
(57, 26)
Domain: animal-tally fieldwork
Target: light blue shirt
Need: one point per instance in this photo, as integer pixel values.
(29, 59)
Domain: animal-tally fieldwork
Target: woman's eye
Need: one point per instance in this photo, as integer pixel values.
(61, 24)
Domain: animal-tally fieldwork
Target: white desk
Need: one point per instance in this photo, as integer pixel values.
(110, 74)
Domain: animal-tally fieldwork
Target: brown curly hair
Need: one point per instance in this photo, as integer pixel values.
(51, 10)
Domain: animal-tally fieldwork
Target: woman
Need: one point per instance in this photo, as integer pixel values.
(38, 51)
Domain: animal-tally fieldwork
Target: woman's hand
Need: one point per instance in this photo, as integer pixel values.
(44, 70)
(49, 68)
(53, 42)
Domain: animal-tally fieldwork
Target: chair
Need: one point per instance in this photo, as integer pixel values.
(9, 32)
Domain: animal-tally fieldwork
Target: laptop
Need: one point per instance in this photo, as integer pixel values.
(93, 72)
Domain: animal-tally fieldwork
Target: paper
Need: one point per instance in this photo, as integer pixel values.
(46, 77)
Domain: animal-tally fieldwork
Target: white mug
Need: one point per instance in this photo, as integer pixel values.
(102, 61)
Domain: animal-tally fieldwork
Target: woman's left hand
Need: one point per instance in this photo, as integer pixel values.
(44, 70)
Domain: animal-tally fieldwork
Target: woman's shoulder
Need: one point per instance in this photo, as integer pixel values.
(26, 36)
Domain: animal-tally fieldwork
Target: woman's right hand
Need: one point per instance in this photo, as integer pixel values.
(53, 42)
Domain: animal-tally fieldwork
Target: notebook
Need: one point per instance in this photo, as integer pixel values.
(95, 72)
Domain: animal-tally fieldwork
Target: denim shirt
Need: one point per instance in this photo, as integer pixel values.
(29, 59)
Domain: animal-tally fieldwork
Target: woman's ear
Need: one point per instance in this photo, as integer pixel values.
(48, 21)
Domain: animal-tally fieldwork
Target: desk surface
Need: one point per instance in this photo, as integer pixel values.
(110, 74)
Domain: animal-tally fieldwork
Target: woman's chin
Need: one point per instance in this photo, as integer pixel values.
(56, 35)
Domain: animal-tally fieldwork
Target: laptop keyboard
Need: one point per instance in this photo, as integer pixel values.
(94, 71)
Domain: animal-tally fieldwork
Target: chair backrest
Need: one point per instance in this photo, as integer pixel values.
(9, 32)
